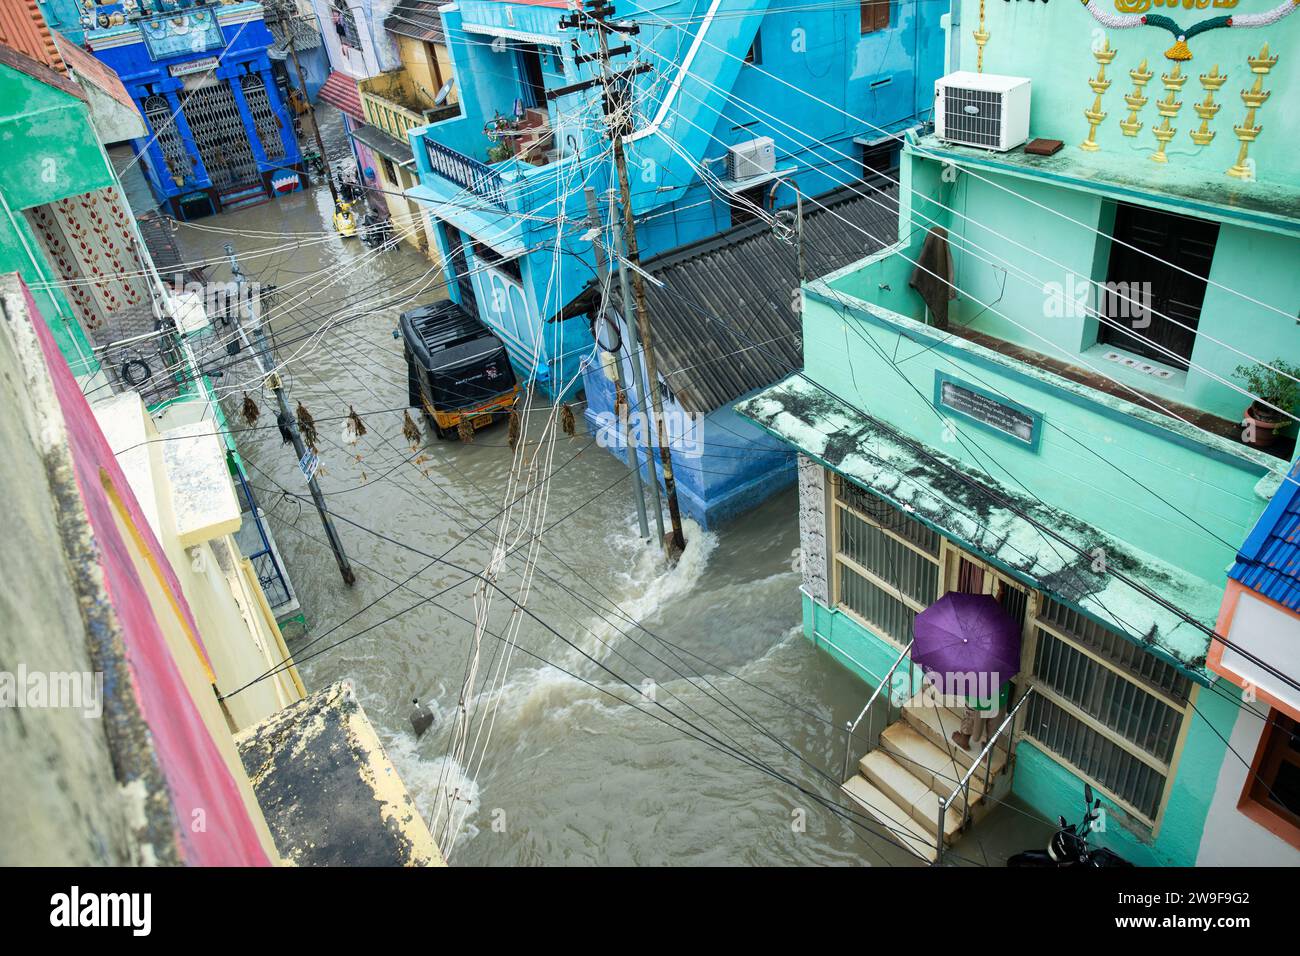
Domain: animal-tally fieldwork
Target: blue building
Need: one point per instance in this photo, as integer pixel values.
(220, 135)
(67, 17)
(297, 36)
(722, 133)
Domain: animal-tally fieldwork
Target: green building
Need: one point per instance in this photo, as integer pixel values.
(63, 223)
(1035, 394)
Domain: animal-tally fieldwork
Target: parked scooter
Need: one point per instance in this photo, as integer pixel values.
(1069, 845)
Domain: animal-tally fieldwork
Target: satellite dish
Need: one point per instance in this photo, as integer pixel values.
(443, 93)
(607, 331)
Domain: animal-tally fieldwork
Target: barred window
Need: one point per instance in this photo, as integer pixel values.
(345, 24)
(1106, 706)
(886, 562)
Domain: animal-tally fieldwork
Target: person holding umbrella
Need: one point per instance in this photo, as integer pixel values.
(968, 645)
(979, 719)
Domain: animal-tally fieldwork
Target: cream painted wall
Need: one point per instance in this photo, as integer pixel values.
(1230, 837)
(240, 642)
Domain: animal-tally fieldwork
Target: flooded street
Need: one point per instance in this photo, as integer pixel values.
(568, 761)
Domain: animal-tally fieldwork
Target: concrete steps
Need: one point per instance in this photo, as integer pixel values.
(908, 792)
(923, 760)
(896, 821)
(900, 782)
(936, 724)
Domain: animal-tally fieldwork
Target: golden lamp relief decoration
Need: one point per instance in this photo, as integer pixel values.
(1211, 83)
(1254, 98)
(1136, 100)
(1104, 55)
(981, 36)
(1167, 108)
(1133, 13)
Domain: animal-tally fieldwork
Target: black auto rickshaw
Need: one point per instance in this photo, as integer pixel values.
(457, 370)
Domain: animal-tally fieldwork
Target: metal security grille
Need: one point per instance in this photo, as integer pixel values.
(887, 562)
(884, 514)
(972, 116)
(159, 114)
(884, 611)
(1107, 697)
(264, 118)
(916, 575)
(345, 24)
(1117, 649)
(1106, 706)
(1119, 771)
(220, 136)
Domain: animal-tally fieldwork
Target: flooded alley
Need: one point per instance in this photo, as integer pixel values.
(562, 768)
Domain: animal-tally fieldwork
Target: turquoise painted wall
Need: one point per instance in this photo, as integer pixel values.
(1018, 266)
(1047, 786)
(1097, 458)
(1051, 43)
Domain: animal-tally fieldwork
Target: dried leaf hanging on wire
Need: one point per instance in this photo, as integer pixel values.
(249, 411)
(566, 421)
(410, 430)
(513, 437)
(353, 427)
(465, 430)
(307, 428)
(620, 402)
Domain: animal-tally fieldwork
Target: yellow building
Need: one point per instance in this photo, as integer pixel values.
(422, 91)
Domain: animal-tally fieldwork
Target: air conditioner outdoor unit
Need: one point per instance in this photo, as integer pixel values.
(754, 158)
(982, 109)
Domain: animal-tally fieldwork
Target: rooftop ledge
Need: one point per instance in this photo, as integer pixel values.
(984, 517)
(1173, 185)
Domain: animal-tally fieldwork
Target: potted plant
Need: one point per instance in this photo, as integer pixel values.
(1278, 387)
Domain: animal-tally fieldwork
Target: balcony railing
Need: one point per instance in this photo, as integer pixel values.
(468, 173)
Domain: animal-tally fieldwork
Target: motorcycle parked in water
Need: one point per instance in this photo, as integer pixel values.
(1069, 845)
(377, 231)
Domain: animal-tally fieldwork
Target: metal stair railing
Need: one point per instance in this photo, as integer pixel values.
(852, 725)
(963, 785)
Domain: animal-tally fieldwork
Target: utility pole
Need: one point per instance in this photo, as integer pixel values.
(638, 376)
(287, 24)
(617, 100)
(633, 458)
(266, 366)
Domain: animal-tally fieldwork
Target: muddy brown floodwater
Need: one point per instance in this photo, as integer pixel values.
(564, 771)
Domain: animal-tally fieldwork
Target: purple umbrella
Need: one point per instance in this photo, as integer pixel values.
(965, 638)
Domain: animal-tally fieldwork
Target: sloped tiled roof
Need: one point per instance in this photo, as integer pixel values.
(90, 70)
(417, 19)
(745, 279)
(1269, 562)
(340, 91)
(23, 28)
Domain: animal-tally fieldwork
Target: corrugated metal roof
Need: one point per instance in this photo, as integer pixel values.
(417, 19)
(745, 278)
(1269, 562)
(383, 144)
(305, 35)
(160, 240)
